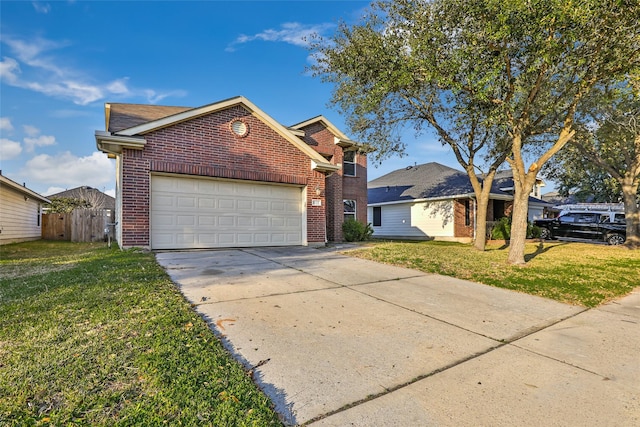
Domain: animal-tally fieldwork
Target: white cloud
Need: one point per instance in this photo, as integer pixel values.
(34, 139)
(9, 149)
(66, 170)
(118, 87)
(31, 130)
(53, 190)
(9, 69)
(40, 141)
(42, 7)
(32, 66)
(293, 33)
(5, 124)
(154, 97)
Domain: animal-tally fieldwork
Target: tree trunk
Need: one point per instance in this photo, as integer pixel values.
(519, 218)
(482, 204)
(631, 212)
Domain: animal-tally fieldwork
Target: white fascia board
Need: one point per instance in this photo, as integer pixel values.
(324, 166)
(431, 199)
(297, 132)
(344, 143)
(439, 199)
(113, 144)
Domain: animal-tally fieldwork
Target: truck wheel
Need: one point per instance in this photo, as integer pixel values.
(545, 233)
(615, 239)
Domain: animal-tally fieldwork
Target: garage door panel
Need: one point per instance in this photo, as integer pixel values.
(226, 221)
(206, 221)
(244, 221)
(206, 203)
(226, 204)
(186, 202)
(184, 220)
(245, 205)
(293, 222)
(261, 222)
(207, 213)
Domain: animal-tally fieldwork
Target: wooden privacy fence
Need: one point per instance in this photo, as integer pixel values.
(80, 225)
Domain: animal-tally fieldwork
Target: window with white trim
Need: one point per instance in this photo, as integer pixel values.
(349, 163)
(349, 209)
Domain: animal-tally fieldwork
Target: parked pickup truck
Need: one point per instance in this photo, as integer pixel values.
(601, 226)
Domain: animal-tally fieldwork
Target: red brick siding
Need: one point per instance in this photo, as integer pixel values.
(355, 187)
(339, 187)
(206, 146)
(459, 227)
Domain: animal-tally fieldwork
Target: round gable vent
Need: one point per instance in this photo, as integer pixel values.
(240, 128)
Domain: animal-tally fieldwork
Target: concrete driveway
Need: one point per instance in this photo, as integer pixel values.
(337, 341)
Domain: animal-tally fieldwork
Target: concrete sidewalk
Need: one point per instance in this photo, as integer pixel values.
(344, 341)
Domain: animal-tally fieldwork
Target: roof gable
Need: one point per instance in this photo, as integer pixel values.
(161, 121)
(97, 198)
(4, 181)
(340, 138)
(426, 181)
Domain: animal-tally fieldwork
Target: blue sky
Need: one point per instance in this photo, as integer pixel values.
(62, 60)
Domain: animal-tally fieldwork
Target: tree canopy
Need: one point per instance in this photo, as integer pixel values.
(506, 76)
(603, 159)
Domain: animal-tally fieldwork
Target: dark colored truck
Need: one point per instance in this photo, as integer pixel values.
(601, 226)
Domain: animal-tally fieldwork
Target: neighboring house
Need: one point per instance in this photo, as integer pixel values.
(20, 212)
(93, 196)
(433, 201)
(228, 175)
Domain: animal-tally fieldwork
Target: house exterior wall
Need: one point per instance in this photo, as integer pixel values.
(461, 229)
(415, 220)
(338, 186)
(355, 187)
(20, 219)
(205, 146)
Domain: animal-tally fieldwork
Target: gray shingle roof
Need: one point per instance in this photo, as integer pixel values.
(426, 181)
(98, 199)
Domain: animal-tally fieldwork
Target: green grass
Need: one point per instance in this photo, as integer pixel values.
(575, 273)
(98, 336)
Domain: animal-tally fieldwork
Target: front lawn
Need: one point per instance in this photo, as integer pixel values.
(575, 273)
(98, 336)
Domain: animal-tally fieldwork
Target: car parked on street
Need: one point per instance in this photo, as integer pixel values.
(604, 226)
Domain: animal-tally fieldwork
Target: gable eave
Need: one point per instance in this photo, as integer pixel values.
(322, 119)
(22, 189)
(317, 159)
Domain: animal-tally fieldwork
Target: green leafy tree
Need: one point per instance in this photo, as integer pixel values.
(404, 67)
(505, 74)
(607, 146)
(66, 204)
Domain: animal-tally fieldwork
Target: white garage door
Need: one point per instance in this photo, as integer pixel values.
(206, 213)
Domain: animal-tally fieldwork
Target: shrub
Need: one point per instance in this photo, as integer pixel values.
(356, 231)
(502, 230)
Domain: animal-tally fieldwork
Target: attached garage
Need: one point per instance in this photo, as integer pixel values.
(190, 212)
(223, 175)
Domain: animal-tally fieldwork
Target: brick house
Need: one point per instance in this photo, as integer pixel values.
(434, 201)
(228, 175)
